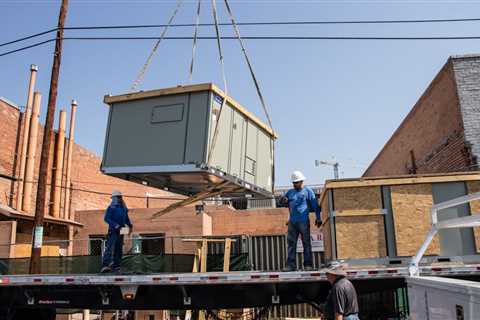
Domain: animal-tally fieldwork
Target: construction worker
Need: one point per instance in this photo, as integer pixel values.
(341, 303)
(301, 200)
(116, 216)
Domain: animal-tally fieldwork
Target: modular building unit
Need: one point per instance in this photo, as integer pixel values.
(388, 218)
(164, 138)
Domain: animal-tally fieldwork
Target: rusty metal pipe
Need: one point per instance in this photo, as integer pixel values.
(31, 154)
(58, 167)
(68, 170)
(26, 135)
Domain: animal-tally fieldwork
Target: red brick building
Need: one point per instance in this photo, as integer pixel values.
(442, 131)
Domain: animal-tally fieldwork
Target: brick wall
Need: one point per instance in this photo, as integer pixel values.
(467, 75)
(90, 187)
(434, 128)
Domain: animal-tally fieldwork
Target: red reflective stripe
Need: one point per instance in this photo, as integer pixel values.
(119, 279)
(437, 269)
(213, 278)
(156, 279)
(69, 280)
(37, 280)
(372, 272)
(274, 276)
(351, 273)
(173, 278)
(255, 277)
(5, 280)
(392, 271)
(318, 274)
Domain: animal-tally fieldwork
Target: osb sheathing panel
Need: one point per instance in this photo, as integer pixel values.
(325, 209)
(411, 213)
(357, 201)
(360, 237)
(474, 186)
(327, 240)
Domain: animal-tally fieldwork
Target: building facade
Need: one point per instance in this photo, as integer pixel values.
(442, 131)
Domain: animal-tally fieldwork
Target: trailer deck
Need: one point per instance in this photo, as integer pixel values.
(199, 290)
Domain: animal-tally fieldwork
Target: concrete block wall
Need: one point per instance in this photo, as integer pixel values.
(441, 127)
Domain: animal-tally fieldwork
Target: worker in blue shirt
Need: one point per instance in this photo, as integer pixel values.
(116, 216)
(301, 200)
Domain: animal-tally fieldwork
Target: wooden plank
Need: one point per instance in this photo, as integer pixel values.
(208, 240)
(359, 212)
(401, 180)
(203, 259)
(226, 255)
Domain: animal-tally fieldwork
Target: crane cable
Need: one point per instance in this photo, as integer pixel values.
(257, 87)
(222, 65)
(154, 49)
(194, 47)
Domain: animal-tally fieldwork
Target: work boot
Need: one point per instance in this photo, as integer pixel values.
(105, 269)
(308, 268)
(289, 269)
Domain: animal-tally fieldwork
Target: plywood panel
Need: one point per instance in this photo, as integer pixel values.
(472, 187)
(411, 213)
(361, 200)
(360, 237)
(327, 240)
(7, 237)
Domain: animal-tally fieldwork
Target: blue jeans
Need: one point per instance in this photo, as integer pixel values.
(352, 317)
(113, 247)
(294, 230)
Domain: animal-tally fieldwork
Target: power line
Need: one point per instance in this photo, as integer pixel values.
(359, 38)
(254, 23)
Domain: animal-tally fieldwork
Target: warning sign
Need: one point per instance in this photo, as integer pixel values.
(317, 242)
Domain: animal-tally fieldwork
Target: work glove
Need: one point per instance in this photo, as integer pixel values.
(318, 223)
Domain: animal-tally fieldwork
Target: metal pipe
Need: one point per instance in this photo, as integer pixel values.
(58, 167)
(26, 135)
(31, 154)
(68, 170)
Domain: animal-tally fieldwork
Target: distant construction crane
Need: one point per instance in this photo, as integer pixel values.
(329, 163)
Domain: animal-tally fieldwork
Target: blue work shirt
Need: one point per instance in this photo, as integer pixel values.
(117, 217)
(299, 203)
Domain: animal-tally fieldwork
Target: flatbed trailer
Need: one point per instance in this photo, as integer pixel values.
(43, 294)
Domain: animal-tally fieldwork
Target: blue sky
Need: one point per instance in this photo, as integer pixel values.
(327, 99)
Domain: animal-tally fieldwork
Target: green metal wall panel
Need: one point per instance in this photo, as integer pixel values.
(237, 149)
(264, 161)
(137, 138)
(197, 131)
(221, 152)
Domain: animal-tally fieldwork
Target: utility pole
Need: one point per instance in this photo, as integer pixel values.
(45, 160)
(335, 166)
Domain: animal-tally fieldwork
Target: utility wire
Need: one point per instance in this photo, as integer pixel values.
(266, 23)
(360, 38)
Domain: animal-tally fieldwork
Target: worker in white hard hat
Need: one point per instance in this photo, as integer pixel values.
(116, 216)
(301, 200)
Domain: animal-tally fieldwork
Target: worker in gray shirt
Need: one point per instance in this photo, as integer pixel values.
(341, 303)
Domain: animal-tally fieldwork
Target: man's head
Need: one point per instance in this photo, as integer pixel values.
(116, 194)
(297, 179)
(333, 273)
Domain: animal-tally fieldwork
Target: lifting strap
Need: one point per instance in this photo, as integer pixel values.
(222, 65)
(155, 47)
(257, 86)
(194, 47)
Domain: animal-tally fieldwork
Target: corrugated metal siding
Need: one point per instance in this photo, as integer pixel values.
(269, 253)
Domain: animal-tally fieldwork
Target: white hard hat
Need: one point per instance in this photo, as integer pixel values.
(297, 176)
(116, 193)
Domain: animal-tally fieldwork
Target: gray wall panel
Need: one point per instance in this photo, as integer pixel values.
(134, 140)
(195, 151)
(453, 242)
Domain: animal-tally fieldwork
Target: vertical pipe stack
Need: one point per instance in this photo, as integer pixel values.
(31, 154)
(26, 131)
(68, 171)
(58, 166)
